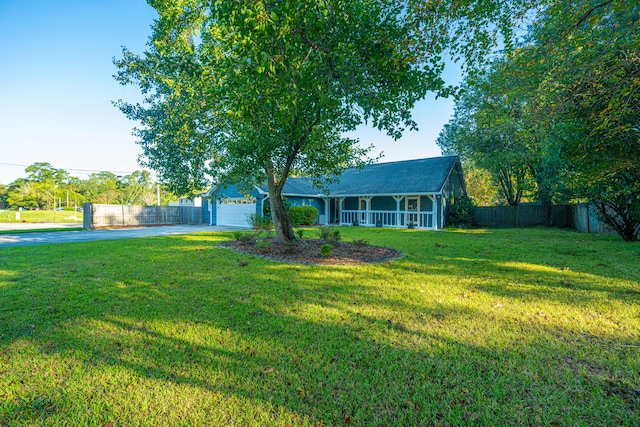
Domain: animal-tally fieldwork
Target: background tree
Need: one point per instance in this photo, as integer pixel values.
(487, 130)
(258, 90)
(481, 187)
(593, 54)
(101, 187)
(21, 193)
(3, 196)
(573, 85)
(134, 187)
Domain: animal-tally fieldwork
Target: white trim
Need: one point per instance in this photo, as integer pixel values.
(327, 207)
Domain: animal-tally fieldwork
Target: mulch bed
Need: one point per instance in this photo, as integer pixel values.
(307, 251)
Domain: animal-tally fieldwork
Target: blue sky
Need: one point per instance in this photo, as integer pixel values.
(56, 88)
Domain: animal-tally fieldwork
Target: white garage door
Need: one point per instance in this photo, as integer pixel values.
(235, 212)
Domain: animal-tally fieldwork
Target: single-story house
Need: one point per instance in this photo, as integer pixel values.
(392, 194)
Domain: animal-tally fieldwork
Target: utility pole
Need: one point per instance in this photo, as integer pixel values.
(158, 187)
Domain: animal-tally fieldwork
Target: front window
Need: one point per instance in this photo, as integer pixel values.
(412, 205)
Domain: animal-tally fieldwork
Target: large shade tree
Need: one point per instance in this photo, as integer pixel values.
(570, 96)
(256, 91)
(590, 55)
(489, 130)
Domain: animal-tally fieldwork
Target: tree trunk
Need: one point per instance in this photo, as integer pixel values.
(279, 214)
(619, 219)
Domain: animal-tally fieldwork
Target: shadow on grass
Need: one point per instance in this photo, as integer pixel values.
(145, 328)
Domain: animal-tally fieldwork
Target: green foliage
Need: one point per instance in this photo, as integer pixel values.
(556, 118)
(326, 250)
(461, 212)
(489, 130)
(266, 206)
(300, 233)
(3, 196)
(263, 90)
(264, 245)
(481, 187)
(329, 234)
(259, 222)
(46, 187)
(303, 215)
(241, 236)
(360, 242)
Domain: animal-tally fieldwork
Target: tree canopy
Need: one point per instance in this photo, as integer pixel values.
(259, 90)
(566, 100)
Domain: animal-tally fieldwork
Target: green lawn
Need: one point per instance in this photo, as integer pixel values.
(481, 328)
(41, 216)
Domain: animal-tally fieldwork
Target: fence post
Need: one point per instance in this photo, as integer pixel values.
(87, 215)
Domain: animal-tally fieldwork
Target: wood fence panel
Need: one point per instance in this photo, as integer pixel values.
(524, 216)
(191, 215)
(125, 216)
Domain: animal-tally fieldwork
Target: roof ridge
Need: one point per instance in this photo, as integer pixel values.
(415, 160)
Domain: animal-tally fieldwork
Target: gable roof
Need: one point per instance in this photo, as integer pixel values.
(417, 176)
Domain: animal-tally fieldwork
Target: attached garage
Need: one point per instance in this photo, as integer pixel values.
(235, 212)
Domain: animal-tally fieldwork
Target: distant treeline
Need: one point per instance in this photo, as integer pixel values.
(46, 187)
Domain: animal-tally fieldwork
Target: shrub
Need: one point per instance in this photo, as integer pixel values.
(242, 237)
(259, 222)
(266, 206)
(360, 242)
(326, 250)
(461, 212)
(263, 245)
(303, 215)
(329, 234)
(324, 233)
(300, 233)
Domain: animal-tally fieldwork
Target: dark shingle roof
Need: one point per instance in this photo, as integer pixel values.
(296, 187)
(404, 177)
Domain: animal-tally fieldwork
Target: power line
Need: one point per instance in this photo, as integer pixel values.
(70, 170)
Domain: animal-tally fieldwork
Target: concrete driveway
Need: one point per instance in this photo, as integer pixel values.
(36, 238)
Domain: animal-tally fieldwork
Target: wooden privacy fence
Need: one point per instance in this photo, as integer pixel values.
(524, 216)
(99, 216)
(586, 220)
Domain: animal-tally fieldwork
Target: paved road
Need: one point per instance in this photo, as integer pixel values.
(36, 238)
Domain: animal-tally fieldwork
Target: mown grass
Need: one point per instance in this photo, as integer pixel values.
(41, 216)
(489, 328)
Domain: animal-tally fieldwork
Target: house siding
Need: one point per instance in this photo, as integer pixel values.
(385, 203)
(439, 212)
(426, 204)
(205, 211)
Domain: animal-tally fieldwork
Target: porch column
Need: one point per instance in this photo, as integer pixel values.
(398, 199)
(340, 201)
(367, 201)
(434, 207)
(326, 210)
(439, 210)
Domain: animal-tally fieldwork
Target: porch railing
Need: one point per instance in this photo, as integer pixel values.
(388, 218)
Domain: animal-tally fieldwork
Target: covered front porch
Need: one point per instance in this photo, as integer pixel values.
(419, 211)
